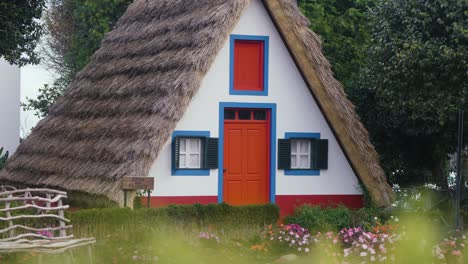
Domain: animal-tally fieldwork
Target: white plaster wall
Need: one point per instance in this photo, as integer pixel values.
(296, 112)
(9, 106)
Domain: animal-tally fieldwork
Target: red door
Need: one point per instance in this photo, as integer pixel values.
(246, 152)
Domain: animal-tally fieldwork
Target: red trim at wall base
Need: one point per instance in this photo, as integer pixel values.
(288, 203)
(159, 201)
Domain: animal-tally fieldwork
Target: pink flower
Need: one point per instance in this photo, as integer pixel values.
(456, 253)
(46, 233)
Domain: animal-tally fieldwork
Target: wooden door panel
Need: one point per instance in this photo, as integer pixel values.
(254, 192)
(233, 166)
(234, 192)
(254, 148)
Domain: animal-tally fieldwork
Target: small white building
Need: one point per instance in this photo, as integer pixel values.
(219, 100)
(9, 106)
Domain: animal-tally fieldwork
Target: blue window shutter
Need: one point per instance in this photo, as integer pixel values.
(284, 154)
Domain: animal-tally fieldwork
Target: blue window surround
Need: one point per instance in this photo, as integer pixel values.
(265, 39)
(272, 108)
(187, 172)
(290, 135)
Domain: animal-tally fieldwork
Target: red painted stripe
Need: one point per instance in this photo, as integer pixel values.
(288, 203)
(159, 201)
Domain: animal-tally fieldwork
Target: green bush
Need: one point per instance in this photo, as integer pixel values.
(318, 219)
(89, 221)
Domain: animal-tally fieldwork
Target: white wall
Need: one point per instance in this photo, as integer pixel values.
(296, 112)
(9, 106)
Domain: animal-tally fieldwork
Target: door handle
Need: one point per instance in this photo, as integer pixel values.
(224, 170)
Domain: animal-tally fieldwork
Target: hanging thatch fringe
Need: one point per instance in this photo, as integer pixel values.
(122, 107)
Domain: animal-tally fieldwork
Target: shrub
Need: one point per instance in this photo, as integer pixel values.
(87, 221)
(318, 219)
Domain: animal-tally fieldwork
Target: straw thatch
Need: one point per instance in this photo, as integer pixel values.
(122, 107)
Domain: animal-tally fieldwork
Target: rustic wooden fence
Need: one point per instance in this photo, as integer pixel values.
(34, 220)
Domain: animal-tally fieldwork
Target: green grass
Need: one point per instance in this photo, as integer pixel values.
(170, 235)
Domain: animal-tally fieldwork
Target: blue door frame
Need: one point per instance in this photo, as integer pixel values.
(272, 108)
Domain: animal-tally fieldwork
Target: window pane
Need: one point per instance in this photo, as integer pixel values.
(229, 114)
(182, 145)
(293, 162)
(294, 146)
(194, 161)
(260, 115)
(244, 114)
(305, 162)
(305, 146)
(182, 163)
(194, 145)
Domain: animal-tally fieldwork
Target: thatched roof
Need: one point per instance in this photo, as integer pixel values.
(122, 107)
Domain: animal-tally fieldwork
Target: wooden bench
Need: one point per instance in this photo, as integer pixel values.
(23, 215)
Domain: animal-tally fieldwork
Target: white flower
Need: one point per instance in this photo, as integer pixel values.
(363, 254)
(364, 246)
(299, 249)
(306, 249)
(372, 258)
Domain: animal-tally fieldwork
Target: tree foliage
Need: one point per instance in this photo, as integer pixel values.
(47, 95)
(3, 158)
(75, 29)
(343, 28)
(20, 30)
(412, 85)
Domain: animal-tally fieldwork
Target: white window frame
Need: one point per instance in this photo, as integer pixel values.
(298, 154)
(188, 151)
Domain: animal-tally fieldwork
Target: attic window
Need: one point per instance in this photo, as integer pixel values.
(249, 65)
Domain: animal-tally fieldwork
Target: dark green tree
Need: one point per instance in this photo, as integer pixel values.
(412, 85)
(20, 30)
(3, 158)
(343, 28)
(75, 29)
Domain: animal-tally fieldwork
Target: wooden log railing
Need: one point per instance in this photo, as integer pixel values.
(36, 206)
